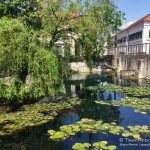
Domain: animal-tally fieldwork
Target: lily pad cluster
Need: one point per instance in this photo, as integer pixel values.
(97, 145)
(135, 130)
(134, 91)
(90, 125)
(32, 115)
(142, 105)
(81, 146)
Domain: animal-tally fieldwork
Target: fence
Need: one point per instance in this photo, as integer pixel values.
(138, 49)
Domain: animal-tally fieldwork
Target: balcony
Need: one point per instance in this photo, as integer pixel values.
(137, 50)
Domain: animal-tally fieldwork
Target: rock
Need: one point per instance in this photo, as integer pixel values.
(7, 80)
(45, 100)
(127, 73)
(97, 70)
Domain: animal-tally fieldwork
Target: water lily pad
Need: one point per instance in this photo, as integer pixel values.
(111, 147)
(136, 136)
(134, 128)
(114, 131)
(105, 126)
(78, 146)
(126, 134)
(97, 126)
(58, 135)
(97, 144)
(103, 145)
(84, 120)
(51, 132)
(87, 145)
(144, 127)
(76, 128)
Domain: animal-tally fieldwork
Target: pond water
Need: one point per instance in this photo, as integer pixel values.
(109, 95)
(38, 139)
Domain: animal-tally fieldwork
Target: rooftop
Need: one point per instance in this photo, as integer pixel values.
(142, 20)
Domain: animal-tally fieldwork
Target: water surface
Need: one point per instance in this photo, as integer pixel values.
(38, 139)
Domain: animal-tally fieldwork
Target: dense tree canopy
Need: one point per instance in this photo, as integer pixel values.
(29, 30)
(34, 69)
(92, 21)
(25, 10)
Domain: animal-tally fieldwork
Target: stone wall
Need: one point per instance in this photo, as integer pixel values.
(139, 65)
(83, 68)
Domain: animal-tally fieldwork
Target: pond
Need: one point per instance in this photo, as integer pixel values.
(39, 139)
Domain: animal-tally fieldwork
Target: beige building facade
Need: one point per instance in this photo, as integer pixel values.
(131, 49)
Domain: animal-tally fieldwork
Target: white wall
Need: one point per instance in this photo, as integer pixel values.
(133, 30)
(122, 34)
(146, 38)
(145, 27)
(71, 41)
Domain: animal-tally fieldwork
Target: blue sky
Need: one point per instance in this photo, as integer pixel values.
(134, 9)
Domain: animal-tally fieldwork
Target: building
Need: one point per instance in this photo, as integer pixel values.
(134, 33)
(70, 41)
(132, 48)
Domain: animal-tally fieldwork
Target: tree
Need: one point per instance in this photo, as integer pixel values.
(92, 21)
(28, 53)
(26, 10)
(34, 70)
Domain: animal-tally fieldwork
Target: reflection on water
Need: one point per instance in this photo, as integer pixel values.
(94, 137)
(109, 95)
(89, 110)
(129, 117)
(118, 80)
(124, 116)
(75, 85)
(68, 117)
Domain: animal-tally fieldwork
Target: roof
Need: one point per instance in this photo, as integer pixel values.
(142, 20)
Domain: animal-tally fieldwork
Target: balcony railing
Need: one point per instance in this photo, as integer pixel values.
(138, 49)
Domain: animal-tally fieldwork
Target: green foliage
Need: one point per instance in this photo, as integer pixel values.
(107, 58)
(103, 145)
(34, 71)
(13, 46)
(28, 54)
(89, 23)
(74, 58)
(80, 146)
(131, 91)
(32, 115)
(97, 145)
(90, 125)
(141, 105)
(43, 72)
(58, 135)
(26, 10)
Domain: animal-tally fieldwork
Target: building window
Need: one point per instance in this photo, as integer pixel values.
(59, 48)
(138, 64)
(122, 40)
(135, 36)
